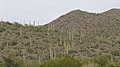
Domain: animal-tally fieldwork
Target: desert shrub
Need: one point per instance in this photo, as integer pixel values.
(111, 65)
(25, 36)
(32, 63)
(27, 43)
(72, 51)
(13, 62)
(16, 24)
(117, 64)
(62, 62)
(29, 50)
(3, 45)
(8, 23)
(102, 60)
(2, 29)
(13, 42)
(116, 52)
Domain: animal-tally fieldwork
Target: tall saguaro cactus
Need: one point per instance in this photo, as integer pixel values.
(20, 31)
(51, 53)
(23, 54)
(1, 23)
(38, 23)
(34, 23)
(65, 46)
(48, 30)
(70, 40)
(30, 41)
(111, 57)
(54, 53)
(60, 40)
(52, 26)
(7, 44)
(39, 58)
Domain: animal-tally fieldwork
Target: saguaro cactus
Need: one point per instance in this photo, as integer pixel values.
(60, 40)
(7, 44)
(30, 41)
(23, 53)
(39, 58)
(29, 23)
(65, 46)
(51, 53)
(20, 31)
(111, 57)
(34, 23)
(48, 30)
(70, 38)
(1, 23)
(52, 27)
(38, 23)
(54, 53)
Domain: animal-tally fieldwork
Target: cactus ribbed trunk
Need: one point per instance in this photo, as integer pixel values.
(60, 40)
(30, 41)
(65, 47)
(1, 23)
(39, 59)
(20, 31)
(7, 44)
(23, 53)
(34, 23)
(48, 30)
(54, 52)
(51, 53)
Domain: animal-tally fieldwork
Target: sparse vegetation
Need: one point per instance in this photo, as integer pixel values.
(76, 39)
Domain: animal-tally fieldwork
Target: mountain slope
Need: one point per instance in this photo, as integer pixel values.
(78, 33)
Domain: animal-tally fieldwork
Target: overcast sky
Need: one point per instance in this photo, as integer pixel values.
(44, 11)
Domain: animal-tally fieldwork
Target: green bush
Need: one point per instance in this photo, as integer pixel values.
(16, 24)
(29, 50)
(32, 63)
(2, 29)
(116, 52)
(13, 42)
(13, 62)
(102, 60)
(111, 65)
(62, 62)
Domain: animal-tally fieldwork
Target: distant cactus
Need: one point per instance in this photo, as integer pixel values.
(65, 46)
(7, 44)
(52, 27)
(23, 54)
(60, 40)
(30, 41)
(111, 57)
(34, 23)
(48, 30)
(39, 57)
(51, 53)
(1, 23)
(38, 23)
(54, 53)
(20, 31)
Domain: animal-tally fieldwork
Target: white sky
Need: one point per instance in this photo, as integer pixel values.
(44, 11)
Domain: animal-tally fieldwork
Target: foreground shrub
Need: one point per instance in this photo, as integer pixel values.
(2, 29)
(13, 62)
(104, 61)
(62, 62)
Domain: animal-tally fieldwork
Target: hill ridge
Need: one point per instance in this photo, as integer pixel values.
(78, 34)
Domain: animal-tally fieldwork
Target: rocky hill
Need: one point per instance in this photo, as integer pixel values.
(78, 34)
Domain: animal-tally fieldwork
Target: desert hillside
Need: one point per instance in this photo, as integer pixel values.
(77, 34)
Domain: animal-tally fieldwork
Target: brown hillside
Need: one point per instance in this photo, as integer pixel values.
(78, 33)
